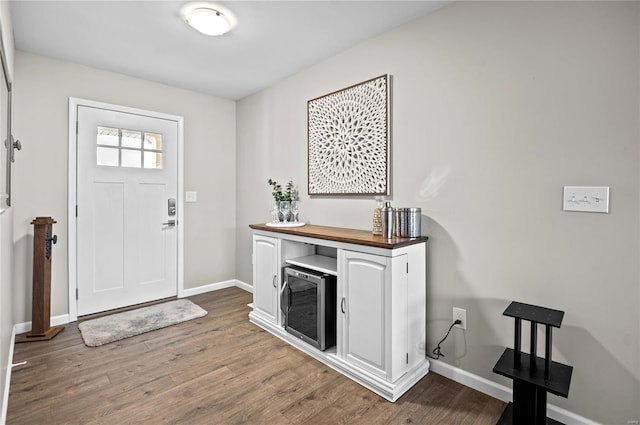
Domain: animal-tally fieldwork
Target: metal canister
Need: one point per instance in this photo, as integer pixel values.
(396, 221)
(414, 218)
(401, 222)
(387, 221)
(408, 222)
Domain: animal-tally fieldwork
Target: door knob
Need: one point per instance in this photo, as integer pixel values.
(169, 223)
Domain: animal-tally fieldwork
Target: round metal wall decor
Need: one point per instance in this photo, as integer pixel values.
(349, 145)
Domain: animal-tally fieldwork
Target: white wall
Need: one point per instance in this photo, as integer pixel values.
(496, 106)
(6, 230)
(42, 89)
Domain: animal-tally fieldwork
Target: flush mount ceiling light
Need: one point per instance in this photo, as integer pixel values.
(208, 21)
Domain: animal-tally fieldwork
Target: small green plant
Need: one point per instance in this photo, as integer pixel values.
(288, 194)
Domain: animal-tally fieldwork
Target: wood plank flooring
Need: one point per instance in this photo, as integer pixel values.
(219, 369)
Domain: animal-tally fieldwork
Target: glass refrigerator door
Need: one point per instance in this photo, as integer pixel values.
(303, 313)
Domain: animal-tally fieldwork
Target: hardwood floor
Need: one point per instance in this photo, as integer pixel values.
(219, 369)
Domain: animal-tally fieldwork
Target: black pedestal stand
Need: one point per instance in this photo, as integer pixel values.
(532, 376)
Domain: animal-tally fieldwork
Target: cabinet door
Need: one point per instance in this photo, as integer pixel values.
(365, 326)
(265, 277)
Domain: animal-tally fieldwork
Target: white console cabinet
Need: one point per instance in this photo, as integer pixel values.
(381, 300)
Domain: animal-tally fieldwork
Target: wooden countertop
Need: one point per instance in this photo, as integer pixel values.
(339, 234)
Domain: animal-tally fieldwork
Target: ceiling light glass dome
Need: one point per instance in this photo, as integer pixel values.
(208, 21)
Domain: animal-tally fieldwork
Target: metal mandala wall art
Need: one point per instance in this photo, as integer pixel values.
(349, 140)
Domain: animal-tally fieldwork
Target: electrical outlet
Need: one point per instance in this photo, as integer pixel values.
(461, 315)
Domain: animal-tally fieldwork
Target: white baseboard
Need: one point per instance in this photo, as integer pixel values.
(215, 287)
(63, 319)
(7, 382)
(501, 392)
(189, 292)
(242, 285)
(467, 379)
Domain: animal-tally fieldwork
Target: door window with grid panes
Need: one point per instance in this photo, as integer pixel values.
(119, 147)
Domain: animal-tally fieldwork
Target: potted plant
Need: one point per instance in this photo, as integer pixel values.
(282, 198)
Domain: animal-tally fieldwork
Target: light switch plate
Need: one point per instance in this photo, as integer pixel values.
(190, 196)
(586, 199)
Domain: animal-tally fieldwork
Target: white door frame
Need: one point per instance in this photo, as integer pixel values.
(72, 192)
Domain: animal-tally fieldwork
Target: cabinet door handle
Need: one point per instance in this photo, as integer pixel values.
(274, 281)
(342, 305)
(285, 306)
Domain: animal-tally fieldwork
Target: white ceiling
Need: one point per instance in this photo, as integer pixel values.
(148, 39)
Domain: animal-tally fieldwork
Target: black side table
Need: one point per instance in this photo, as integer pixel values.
(532, 376)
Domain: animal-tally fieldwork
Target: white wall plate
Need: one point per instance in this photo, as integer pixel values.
(586, 199)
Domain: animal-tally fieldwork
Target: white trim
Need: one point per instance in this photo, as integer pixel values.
(7, 382)
(189, 292)
(72, 195)
(25, 327)
(242, 285)
(2, 210)
(72, 250)
(467, 379)
(180, 215)
(501, 392)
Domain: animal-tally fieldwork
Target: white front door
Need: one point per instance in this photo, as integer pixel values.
(127, 246)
